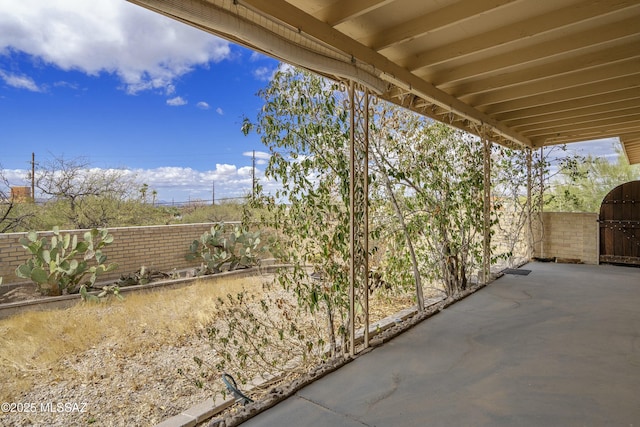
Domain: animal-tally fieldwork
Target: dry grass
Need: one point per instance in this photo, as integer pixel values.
(38, 341)
(95, 351)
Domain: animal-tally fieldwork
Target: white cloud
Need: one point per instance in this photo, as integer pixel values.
(259, 154)
(245, 171)
(144, 49)
(606, 148)
(203, 105)
(263, 73)
(16, 177)
(176, 102)
(68, 85)
(225, 170)
(19, 81)
(262, 158)
(257, 56)
(285, 68)
(181, 184)
(219, 111)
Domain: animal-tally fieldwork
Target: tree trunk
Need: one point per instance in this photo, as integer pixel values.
(405, 231)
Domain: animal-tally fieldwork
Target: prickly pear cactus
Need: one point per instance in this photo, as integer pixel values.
(61, 264)
(238, 248)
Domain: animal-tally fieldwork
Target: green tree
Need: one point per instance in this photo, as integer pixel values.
(304, 125)
(519, 177)
(432, 174)
(86, 197)
(14, 215)
(426, 193)
(143, 192)
(522, 186)
(225, 211)
(582, 188)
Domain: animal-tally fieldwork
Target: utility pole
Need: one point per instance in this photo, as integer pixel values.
(213, 192)
(33, 177)
(253, 175)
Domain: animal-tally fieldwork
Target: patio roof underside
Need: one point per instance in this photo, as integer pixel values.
(529, 72)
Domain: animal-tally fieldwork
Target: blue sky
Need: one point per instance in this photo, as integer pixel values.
(123, 87)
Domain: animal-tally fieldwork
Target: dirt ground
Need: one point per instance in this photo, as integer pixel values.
(20, 293)
(109, 382)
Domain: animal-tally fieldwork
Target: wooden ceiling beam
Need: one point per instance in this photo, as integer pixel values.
(592, 111)
(603, 127)
(570, 137)
(305, 23)
(567, 69)
(549, 109)
(547, 22)
(342, 11)
(631, 146)
(564, 66)
(565, 95)
(606, 34)
(578, 81)
(423, 25)
(630, 135)
(582, 121)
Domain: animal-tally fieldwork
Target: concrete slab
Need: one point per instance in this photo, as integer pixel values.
(558, 347)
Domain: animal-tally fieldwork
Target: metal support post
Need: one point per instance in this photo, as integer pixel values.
(359, 211)
(540, 207)
(529, 205)
(486, 203)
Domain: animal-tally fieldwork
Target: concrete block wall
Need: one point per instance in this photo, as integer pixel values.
(160, 247)
(569, 235)
(502, 241)
(163, 247)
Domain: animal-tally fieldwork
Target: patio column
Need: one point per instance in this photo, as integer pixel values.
(529, 205)
(540, 207)
(486, 204)
(358, 210)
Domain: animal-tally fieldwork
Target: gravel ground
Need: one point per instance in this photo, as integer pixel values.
(103, 388)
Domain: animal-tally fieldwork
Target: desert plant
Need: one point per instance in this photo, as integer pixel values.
(263, 337)
(144, 275)
(62, 264)
(237, 249)
(104, 295)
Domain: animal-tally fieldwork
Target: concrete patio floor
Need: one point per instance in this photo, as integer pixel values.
(559, 347)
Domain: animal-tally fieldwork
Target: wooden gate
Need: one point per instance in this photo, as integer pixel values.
(620, 225)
